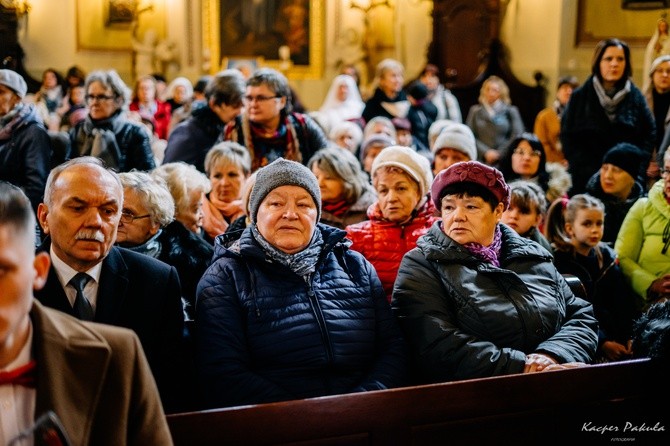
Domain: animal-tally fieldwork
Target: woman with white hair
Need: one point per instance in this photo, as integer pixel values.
(347, 135)
(148, 226)
(188, 186)
(179, 92)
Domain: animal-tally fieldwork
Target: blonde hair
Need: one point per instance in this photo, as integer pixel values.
(504, 89)
(228, 152)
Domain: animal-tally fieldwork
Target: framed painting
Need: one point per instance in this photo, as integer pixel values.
(635, 27)
(245, 64)
(282, 34)
(105, 25)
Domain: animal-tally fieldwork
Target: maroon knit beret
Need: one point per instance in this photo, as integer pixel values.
(471, 172)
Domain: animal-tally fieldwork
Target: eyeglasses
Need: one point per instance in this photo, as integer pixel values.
(663, 71)
(665, 172)
(250, 99)
(98, 97)
(534, 153)
(127, 217)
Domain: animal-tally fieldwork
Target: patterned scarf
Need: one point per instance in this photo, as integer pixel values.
(13, 120)
(99, 139)
(489, 253)
(302, 263)
(260, 143)
(151, 247)
(610, 101)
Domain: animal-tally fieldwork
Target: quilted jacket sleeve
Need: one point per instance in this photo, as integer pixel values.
(222, 355)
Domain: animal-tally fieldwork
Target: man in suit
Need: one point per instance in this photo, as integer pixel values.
(92, 279)
(94, 377)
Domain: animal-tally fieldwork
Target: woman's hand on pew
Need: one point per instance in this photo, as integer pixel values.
(567, 365)
(537, 362)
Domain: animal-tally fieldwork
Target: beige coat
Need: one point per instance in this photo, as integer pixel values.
(97, 380)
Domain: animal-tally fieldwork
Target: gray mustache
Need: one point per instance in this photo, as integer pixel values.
(90, 235)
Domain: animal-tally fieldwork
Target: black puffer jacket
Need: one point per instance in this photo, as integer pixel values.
(265, 334)
(25, 153)
(465, 318)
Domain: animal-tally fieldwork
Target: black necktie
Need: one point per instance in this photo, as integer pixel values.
(82, 307)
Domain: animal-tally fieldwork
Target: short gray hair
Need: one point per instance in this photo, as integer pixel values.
(275, 81)
(228, 152)
(181, 179)
(154, 193)
(110, 79)
(342, 164)
(387, 65)
(56, 171)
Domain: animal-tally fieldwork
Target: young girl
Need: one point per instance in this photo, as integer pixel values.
(527, 208)
(575, 227)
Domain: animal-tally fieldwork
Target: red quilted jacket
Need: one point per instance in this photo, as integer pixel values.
(384, 243)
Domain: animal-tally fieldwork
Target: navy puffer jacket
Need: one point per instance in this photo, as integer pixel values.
(265, 334)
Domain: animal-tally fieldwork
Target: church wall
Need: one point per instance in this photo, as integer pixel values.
(540, 35)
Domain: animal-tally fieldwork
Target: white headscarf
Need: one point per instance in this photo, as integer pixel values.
(333, 110)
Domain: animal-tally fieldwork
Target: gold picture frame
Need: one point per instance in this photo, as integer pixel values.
(95, 32)
(241, 29)
(635, 27)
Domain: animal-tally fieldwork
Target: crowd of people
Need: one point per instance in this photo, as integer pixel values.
(255, 253)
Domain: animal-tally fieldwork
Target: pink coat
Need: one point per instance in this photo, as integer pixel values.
(384, 243)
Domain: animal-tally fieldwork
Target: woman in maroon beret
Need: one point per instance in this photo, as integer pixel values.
(476, 300)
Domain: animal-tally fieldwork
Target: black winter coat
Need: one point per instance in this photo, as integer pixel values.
(191, 140)
(25, 154)
(587, 133)
(190, 254)
(465, 318)
(615, 305)
(374, 107)
(265, 334)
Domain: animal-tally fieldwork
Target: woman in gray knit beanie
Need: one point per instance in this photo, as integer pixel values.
(288, 311)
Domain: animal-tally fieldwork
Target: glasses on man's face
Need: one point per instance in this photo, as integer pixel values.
(665, 171)
(128, 217)
(98, 97)
(532, 153)
(259, 98)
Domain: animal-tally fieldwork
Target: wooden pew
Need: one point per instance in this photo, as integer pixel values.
(540, 408)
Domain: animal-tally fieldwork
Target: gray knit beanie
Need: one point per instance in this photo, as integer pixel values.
(14, 81)
(282, 172)
(459, 137)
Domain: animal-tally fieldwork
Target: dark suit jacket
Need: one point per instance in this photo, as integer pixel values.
(140, 293)
(97, 381)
